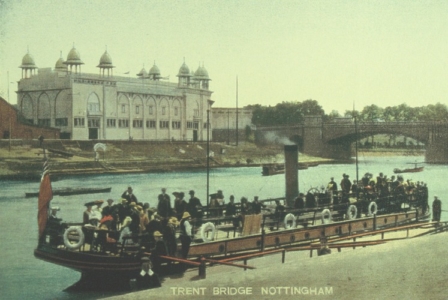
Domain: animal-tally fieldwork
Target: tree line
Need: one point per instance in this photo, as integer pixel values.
(294, 112)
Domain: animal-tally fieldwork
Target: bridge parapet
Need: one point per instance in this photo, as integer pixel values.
(334, 139)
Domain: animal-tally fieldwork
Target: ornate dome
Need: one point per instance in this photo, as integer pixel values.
(73, 58)
(154, 70)
(201, 73)
(105, 61)
(184, 71)
(60, 66)
(28, 62)
(143, 73)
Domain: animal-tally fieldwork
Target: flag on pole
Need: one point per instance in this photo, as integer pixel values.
(45, 196)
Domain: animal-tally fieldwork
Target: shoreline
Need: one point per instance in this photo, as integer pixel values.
(26, 162)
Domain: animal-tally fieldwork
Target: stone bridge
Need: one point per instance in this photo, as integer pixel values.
(335, 139)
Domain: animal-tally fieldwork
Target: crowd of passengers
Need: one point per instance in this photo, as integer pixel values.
(131, 221)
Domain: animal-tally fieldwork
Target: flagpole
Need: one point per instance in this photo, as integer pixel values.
(237, 110)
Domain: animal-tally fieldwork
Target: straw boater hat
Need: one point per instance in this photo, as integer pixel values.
(186, 215)
(157, 234)
(123, 200)
(174, 221)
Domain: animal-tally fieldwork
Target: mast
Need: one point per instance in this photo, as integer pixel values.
(237, 110)
(209, 105)
(356, 156)
(208, 153)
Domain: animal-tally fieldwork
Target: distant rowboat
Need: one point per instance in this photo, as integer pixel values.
(73, 191)
(415, 169)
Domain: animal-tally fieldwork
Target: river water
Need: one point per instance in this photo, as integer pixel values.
(24, 277)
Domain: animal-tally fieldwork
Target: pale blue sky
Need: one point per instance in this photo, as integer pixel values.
(336, 52)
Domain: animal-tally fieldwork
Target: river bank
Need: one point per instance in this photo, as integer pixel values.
(23, 160)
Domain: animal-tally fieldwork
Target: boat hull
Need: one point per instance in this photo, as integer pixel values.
(88, 262)
(294, 236)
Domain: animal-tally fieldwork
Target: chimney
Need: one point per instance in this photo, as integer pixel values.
(291, 174)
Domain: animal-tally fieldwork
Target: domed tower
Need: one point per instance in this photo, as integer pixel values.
(143, 73)
(154, 72)
(106, 64)
(74, 59)
(60, 66)
(28, 66)
(201, 76)
(184, 75)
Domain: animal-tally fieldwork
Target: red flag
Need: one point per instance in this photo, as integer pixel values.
(45, 196)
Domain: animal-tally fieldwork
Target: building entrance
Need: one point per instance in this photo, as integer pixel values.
(93, 133)
(195, 135)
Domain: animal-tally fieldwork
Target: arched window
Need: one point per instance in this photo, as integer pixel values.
(93, 105)
(27, 108)
(43, 111)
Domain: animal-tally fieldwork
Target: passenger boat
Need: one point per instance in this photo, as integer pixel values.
(73, 191)
(85, 249)
(259, 233)
(274, 169)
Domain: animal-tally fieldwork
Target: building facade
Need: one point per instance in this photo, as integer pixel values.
(230, 124)
(107, 107)
(11, 126)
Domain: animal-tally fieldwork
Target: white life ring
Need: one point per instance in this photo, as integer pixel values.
(290, 218)
(78, 231)
(326, 216)
(207, 227)
(352, 212)
(373, 208)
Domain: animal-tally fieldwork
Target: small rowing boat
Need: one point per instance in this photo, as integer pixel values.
(415, 169)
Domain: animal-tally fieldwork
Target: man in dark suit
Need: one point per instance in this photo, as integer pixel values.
(129, 195)
(164, 206)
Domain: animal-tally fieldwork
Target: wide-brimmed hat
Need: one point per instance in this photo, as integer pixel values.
(174, 221)
(91, 203)
(176, 194)
(186, 215)
(124, 200)
(157, 234)
(98, 202)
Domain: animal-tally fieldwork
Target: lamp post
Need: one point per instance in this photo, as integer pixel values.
(228, 127)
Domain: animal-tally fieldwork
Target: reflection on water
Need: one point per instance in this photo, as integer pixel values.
(19, 223)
